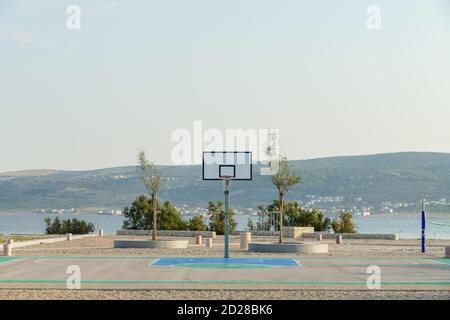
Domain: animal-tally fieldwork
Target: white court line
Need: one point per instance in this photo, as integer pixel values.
(154, 261)
(298, 263)
(412, 261)
(41, 261)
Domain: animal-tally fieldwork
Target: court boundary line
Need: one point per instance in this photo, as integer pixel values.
(230, 282)
(256, 257)
(298, 263)
(154, 261)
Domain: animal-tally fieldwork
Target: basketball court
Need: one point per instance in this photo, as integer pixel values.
(257, 272)
(136, 272)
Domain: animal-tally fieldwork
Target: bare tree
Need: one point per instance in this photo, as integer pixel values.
(283, 180)
(153, 180)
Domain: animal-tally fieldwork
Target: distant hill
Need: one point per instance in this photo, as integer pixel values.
(401, 177)
(28, 173)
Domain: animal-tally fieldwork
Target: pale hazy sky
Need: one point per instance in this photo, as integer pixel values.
(137, 70)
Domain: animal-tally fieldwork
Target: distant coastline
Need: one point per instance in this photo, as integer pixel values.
(407, 225)
(376, 183)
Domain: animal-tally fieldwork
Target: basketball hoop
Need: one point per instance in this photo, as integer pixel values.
(227, 166)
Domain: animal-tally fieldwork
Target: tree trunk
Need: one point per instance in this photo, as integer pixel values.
(155, 208)
(281, 205)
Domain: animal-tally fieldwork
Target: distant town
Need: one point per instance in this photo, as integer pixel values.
(330, 205)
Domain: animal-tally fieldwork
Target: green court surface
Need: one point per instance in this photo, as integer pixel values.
(6, 259)
(445, 261)
(144, 272)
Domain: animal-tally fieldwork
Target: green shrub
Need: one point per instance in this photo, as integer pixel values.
(294, 216)
(250, 224)
(140, 216)
(297, 216)
(216, 212)
(74, 226)
(53, 227)
(344, 224)
(197, 223)
(169, 218)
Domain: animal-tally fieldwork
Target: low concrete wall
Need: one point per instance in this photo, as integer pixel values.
(167, 233)
(354, 236)
(48, 240)
(160, 244)
(306, 248)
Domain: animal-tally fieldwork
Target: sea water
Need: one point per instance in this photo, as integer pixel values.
(408, 226)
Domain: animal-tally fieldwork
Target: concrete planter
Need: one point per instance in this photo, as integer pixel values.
(289, 247)
(167, 233)
(158, 244)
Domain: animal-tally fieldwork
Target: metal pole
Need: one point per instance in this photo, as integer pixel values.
(226, 191)
(423, 227)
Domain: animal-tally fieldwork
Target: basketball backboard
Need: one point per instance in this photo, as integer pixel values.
(233, 165)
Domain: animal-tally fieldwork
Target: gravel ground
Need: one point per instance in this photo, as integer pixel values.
(35, 294)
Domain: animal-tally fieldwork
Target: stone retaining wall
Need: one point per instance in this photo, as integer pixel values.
(354, 236)
(259, 233)
(167, 233)
(288, 232)
(296, 232)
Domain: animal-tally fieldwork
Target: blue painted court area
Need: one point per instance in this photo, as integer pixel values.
(222, 263)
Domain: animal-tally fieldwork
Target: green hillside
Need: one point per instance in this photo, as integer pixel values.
(401, 177)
